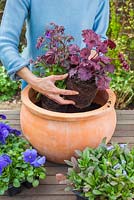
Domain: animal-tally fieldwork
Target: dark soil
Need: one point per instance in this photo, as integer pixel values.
(87, 92)
(48, 104)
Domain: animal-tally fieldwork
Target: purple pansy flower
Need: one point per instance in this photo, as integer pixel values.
(39, 161)
(4, 132)
(15, 131)
(4, 162)
(2, 116)
(30, 155)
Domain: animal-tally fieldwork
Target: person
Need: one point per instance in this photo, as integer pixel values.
(74, 15)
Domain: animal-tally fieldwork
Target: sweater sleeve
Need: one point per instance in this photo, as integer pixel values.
(101, 21)
(15, 13)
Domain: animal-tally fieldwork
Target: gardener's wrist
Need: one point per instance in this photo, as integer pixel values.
(28, 76)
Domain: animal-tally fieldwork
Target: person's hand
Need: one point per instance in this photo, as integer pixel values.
(93, 54)
(46, 86)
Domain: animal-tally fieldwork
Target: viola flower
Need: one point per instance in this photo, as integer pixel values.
(15, 131)
(39, 161)
(2, 116)
(30, 155)
(4, 132)
(4, 162)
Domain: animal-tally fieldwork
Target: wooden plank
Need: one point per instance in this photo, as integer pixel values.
(125, 112)
(46, 190)
(39, 197)
(126, 122)
(119, 112)
(51, 171)
(123, 139)
(119, 122)
(125, 127)
(50, 180)
(122, 133)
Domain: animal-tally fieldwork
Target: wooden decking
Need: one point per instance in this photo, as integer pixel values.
(49, 189)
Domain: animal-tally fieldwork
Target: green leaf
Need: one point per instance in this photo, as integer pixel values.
(42, 176)
(30, 179)
(97, 192)
(16, 183)
(35, 183)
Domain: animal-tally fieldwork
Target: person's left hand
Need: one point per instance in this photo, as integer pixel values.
(93, 54)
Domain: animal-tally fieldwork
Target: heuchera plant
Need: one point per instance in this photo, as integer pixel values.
(62, 55)
(19, 162)
(106, 172)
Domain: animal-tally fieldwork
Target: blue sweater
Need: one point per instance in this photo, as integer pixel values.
(74, 15)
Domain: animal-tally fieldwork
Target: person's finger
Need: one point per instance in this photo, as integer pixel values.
(93, 54)
(66, 92)
(60, 100)
(59, 77)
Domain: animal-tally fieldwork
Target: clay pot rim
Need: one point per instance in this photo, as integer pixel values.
(67, 116)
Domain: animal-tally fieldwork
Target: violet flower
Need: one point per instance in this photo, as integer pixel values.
(4, 132)
(2, 116)
(30, 155)
(39, 161)
(4, 162)
(15, 132)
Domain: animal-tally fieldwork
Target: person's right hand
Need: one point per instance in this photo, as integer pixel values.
(46, 86)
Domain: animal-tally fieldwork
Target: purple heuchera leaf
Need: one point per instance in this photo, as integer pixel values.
(105, 59)
(102, 47)
(75, 60)
(49, 57)
(72, 72)
(84, 53)
(111, 44)
(103, 82)
(84, 74)
(109, 68)
(90, 38)
(73, 49)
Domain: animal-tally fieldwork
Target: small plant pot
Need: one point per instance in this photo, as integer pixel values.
(87, 92)
(79, 197)
(12, 191)
(27, 185)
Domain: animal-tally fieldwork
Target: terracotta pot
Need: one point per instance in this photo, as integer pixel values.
(57, 135)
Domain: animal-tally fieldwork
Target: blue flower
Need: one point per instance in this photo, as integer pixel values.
(2, 116)
(4, 162)
(123, 145)
(15, 131)
(30, 155)
(117, 166)
(109, 148)
(39, 161)
(4, 132)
